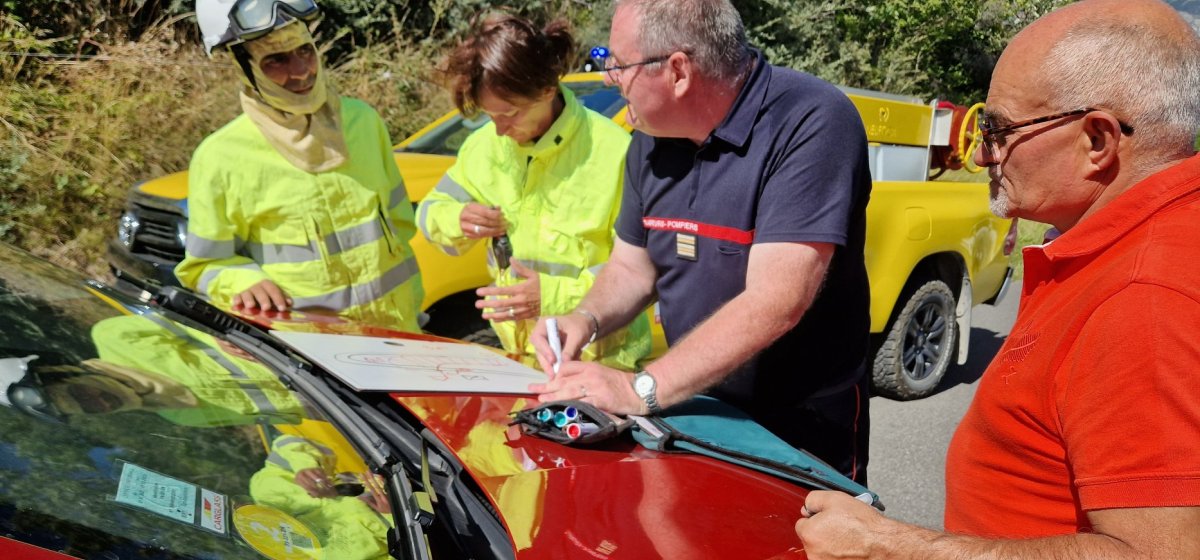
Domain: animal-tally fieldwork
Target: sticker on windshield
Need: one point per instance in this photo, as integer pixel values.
(212, 511)
(275, 534)
(172, 498)
(166, 496)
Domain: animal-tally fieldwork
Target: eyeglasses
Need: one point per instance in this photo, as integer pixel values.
(612, 69)
(993, 136)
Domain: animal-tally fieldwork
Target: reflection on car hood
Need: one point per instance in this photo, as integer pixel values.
(613, 499)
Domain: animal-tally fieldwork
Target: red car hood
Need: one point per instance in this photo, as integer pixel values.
(617, 500)
(612, 500)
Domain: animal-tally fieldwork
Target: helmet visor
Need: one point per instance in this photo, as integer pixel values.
(251, 19)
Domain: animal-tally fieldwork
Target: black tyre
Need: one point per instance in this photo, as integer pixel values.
(919, 344)
(456, 317)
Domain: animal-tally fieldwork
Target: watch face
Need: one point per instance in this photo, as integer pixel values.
(643, 384)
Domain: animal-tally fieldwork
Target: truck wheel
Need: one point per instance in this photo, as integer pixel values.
(456, 317)
(920, 344)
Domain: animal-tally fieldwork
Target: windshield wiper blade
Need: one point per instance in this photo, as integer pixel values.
(408, 539)
(178, 302)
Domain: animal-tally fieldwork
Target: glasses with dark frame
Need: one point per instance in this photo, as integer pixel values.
(993, 136)
(611, 68)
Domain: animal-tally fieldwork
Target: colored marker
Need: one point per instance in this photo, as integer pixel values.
(555, 342)
(560, 419)
(545, 415)
(578, 429)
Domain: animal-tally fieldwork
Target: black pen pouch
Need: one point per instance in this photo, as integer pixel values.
(569, 422)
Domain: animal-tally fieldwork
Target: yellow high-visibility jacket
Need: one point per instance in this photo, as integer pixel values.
(560, 198)
(229, 390)
(347, 528)
(335, 241)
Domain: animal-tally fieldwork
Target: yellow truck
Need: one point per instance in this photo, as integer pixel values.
(933, 247)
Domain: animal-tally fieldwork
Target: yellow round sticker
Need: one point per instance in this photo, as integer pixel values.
(275, 534)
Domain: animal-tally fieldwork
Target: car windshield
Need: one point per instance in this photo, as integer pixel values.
(126, 435)
(448, 137)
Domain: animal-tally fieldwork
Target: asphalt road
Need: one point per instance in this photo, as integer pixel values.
(909, 439)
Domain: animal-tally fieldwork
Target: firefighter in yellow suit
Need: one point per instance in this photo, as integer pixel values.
(299, 479)
(545, 174)
(296, 203)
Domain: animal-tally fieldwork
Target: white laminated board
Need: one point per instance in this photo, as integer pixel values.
(389, 364)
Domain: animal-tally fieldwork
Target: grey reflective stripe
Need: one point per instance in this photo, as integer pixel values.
(209, 249)
(361, 294)
(456, 191)
(422, 218)
(553, 269)
(398, 196)
(354, 237)
(211, 273)
(276, 253)
(276, 459)
(256, 394)
(336, 242)
(595, 270)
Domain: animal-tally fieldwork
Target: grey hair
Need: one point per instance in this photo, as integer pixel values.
(1148, 77)
(710, 31)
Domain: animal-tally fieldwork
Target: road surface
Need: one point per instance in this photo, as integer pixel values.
(909, 439)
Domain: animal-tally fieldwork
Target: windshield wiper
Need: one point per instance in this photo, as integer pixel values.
(411, 510)
(408, 541)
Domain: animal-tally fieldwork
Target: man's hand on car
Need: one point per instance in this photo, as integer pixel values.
(265, 296)
(835, 525)
(608, 389)
(512, 303)
(480, 222)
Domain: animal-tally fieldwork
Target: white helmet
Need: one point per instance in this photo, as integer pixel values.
(12, 371)
(233, 21)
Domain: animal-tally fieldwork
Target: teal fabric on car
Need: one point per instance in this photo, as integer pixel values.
(708, 426)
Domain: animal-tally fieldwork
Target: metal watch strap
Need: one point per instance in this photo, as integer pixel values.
(595, 323)
(651, 398)
(652, 404)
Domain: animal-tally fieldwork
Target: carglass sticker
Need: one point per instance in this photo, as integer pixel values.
(161, 494)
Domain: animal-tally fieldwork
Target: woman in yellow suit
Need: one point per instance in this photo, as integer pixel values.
(543, 178)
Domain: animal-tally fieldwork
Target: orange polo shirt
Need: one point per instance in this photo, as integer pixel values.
(1093, 401)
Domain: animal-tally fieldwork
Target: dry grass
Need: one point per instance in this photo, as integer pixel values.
(77, 134)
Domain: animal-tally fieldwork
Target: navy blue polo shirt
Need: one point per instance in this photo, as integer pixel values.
(788, 164)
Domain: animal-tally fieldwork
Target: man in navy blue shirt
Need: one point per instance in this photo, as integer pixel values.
(744, 214)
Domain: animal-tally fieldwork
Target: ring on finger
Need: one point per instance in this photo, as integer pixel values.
(512, 312)
(583, 391)
(476, 229)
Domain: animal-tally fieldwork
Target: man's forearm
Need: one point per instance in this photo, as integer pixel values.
(916, 543)
(622, 290)
(835, 526)
(730, 337)
(766, 310)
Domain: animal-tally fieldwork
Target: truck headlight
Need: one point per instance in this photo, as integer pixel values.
(128, 228)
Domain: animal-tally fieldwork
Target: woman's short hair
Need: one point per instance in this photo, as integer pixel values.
(510, 57)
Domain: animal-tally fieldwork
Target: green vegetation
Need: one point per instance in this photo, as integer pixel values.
(135, 93)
